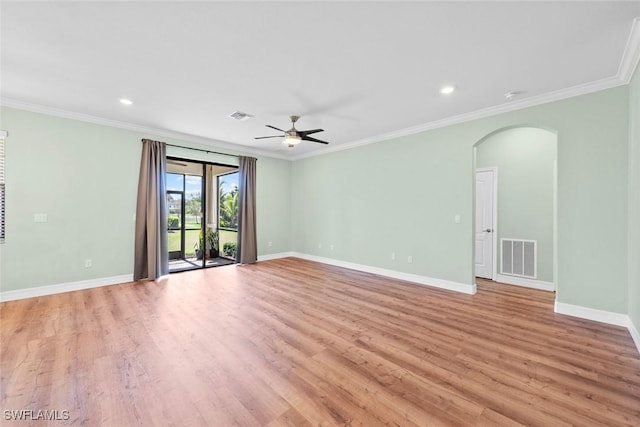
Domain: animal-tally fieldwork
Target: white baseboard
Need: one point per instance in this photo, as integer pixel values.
(634, 334)
(617, 319)
(275, 256)
(524, 282)
(603, 316)
(421, 280)
(63, 287)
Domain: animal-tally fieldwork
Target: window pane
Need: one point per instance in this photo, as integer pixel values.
(228, 199)
(175, 181)
(193, 201)
(174, 221)
(174, 211)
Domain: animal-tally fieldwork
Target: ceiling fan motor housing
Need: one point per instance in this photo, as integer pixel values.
(293, 137)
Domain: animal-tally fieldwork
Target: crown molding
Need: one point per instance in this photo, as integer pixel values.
(631, 55)
(234, 149)
(626, 69)
(533, 101)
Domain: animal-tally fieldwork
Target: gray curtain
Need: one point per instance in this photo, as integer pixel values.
(151, 255)
(247, 246)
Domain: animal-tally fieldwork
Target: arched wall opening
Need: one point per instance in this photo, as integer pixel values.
(515, 207)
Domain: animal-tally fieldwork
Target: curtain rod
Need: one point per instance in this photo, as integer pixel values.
(204, 151)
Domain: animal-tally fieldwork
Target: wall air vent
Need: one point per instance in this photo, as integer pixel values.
(239, 115)
(519, 257)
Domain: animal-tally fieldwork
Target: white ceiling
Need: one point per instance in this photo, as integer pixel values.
(359, 70)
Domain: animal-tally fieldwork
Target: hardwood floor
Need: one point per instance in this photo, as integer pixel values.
(295, 343)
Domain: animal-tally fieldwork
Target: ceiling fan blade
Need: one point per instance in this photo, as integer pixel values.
(273, 127)
(309, 132)
(263, 137)
(308, 138)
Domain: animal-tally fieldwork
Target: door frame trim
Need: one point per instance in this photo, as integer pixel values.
(494, 170)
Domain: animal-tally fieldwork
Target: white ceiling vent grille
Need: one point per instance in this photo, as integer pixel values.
(239, 115)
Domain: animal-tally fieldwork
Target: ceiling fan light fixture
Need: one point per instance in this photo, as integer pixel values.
(291, 140)
(293, 137)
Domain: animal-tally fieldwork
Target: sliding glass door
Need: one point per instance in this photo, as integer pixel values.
(228, 214)
(202, 220)
(175, 224)
(185, 213)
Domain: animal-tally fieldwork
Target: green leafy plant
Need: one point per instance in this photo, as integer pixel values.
(173, 221)
(230, 249)
(198, 246)
(208, 240)
(213, 238)
(213, 242)
(228, 202)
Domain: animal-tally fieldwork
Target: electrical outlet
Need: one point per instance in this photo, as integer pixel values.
(409, 259)
(88, 263)
(331, 247)
(270, 244)
(319, 245)
(456, 219)
(393, 256)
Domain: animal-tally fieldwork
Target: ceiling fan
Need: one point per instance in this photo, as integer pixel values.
(293, 137)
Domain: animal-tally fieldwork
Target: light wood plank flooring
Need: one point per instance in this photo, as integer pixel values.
(295, 343)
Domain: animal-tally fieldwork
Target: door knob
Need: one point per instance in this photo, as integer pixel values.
(488, 230)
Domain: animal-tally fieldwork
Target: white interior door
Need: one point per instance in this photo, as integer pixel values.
(484, 223)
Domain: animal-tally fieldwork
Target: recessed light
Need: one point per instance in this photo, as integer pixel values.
(446, 90)
(125, 101)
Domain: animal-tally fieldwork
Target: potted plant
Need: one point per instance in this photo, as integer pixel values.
(213, 242)
(198, 247)
(207, 241)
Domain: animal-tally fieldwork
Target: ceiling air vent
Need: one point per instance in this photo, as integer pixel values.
(239, 115)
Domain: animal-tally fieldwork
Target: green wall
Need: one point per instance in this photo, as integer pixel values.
(525, 159)
(634, 200)
(84, 177)
(399, 195)
(402, 195)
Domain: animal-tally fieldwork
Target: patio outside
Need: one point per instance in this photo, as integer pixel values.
(197, 244)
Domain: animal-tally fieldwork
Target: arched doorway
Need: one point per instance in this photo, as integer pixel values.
(514, 200)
